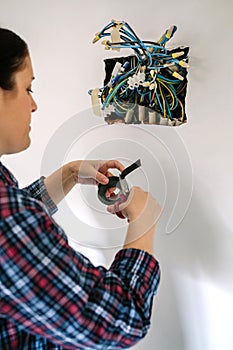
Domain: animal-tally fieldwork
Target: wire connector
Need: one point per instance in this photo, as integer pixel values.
(136, 80)
(95, 102)
(178, 76)
(115, 34)
(177, 54)
(183, 64)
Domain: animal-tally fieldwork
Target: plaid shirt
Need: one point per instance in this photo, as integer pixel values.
(52, 297)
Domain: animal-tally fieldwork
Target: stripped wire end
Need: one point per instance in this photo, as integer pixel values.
(107, 44)
(170, 32)
(96, 38)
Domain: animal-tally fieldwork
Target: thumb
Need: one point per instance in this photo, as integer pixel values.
(100, 178)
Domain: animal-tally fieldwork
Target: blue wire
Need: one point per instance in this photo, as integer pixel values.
(166, 79)
(160, 105)
(122, 30)
(168, 108)
(156, 61)
(141, 43)
(108, 26)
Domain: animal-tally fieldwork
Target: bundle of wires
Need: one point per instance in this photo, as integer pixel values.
(148, 86)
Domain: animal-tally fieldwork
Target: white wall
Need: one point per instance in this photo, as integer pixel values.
(194, 306)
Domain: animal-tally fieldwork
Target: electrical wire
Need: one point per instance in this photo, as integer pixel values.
(154, 77)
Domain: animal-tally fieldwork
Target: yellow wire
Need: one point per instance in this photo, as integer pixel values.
(182, 108)
(120, 106)
(171, 93)
(115, 90)
(164, 104)
(153, 96)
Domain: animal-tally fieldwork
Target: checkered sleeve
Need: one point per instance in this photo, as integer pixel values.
(50, 290)
(38, 191)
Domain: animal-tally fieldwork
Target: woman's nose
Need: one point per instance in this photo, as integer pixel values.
(34, 105)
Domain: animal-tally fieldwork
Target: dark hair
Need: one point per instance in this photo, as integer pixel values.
(13, 51)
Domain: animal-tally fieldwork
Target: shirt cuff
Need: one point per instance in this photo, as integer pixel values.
(38, 191)
(139, 268)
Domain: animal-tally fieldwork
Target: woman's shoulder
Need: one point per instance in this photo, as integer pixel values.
(14, 200)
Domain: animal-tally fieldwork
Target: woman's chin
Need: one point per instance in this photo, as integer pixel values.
(24, 146)
(27, 144)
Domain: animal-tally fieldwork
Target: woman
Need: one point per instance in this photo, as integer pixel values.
(52, 297)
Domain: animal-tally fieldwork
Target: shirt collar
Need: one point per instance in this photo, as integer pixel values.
(7, 176)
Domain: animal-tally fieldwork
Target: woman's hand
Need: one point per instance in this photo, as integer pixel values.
(140, 206)
(93, 172)
(142, 212)
(88, 172)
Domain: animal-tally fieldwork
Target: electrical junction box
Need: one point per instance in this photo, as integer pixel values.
(147, 87)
